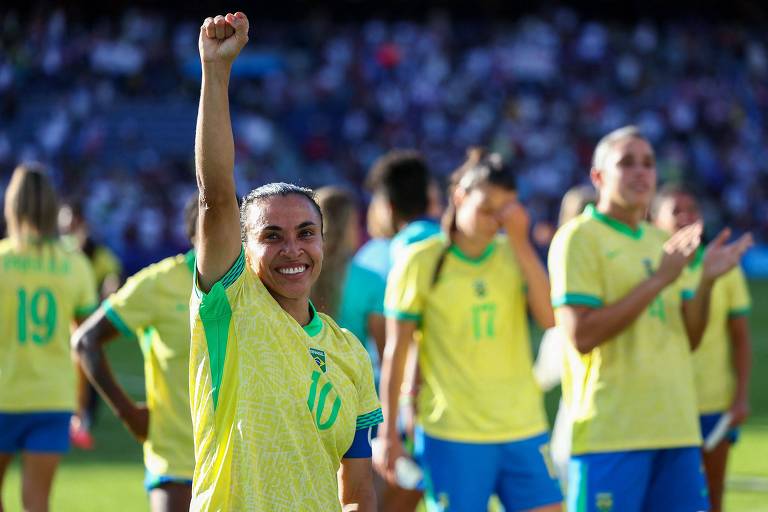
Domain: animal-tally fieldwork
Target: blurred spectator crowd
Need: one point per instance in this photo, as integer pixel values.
(111, 107)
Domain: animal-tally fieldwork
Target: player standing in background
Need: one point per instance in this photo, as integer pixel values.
(552, 355)
(345, 290)
(619, 301)
(153, 307)
(107, 270)
(47, 287)
(723, 360)
(481, 422)
(282, 399)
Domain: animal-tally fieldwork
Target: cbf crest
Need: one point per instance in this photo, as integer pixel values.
(319, 357)
(480, 289)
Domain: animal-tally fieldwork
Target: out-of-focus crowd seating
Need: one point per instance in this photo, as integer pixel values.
(111, 106)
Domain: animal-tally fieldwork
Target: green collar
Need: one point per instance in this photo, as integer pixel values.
(474, 261)
(698, 259)
(615, 224)
(315, 324)
(189, 257)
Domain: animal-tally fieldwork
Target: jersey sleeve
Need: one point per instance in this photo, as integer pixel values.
(87, 300)
(404, 296)
(231, 281)
(376, 287)
(369, 408)
(739, 301)
(130, 308)
(574, 270)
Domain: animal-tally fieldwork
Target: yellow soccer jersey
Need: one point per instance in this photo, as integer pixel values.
(634, 391)
(474, 351)
(274, 406)
(43, 290)
(153, 305)
(712, 364)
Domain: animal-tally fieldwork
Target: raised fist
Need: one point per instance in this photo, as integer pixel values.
(222, 37)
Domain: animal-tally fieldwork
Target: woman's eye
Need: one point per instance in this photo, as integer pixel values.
(306, 233)
(271, 236)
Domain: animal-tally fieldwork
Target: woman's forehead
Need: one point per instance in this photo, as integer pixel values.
(284, 211)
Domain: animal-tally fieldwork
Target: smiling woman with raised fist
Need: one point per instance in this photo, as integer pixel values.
(282, 398)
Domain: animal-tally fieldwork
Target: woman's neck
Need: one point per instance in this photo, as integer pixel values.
(297, 308)
(632, 217)
(473, 247)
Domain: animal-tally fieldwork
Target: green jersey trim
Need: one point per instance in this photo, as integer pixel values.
(227, 279)
(468, 259)
(116, 320)
(577, 299)
(215, 315)
(315, 325)
(734, 313)
(688, 294)
(189, 258)
(698, 259)
(146, 340)
(86, 310)
(615, 224)
(369, 419)
(402, 315)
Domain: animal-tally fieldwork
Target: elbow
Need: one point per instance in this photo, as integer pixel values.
(82, 345)
(584, 344)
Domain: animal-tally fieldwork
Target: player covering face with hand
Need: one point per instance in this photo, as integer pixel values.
(282, 399)
(481, 427)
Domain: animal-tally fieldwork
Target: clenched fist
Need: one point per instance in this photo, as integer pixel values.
(222, 38)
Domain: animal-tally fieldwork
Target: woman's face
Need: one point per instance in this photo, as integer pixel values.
(628, 176)
(677, 211)
(478, 211)
(285, 244)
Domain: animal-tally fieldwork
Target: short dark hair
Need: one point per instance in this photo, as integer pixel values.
(272, 190)
(191, 210)
(402, 177)
(667, 191)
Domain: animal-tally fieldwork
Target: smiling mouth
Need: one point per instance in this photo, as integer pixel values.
(292, 271)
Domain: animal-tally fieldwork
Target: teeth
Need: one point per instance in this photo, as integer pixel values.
(293, 270)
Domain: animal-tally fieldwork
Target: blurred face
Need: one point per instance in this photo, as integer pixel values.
(676, 212)
(477, 211)
(285, 245)
(628, 176)
(352, 234)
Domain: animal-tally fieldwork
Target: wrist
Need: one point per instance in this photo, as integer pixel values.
(216, 69)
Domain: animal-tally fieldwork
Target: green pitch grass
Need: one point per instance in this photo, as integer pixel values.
(110, 477)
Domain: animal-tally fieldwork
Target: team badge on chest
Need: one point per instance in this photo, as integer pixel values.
(319, 357)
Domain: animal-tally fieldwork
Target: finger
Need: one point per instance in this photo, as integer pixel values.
(220, 26)
(721, 238)
(745, 242)
(240, 22)
(229, 30)
(208, 27)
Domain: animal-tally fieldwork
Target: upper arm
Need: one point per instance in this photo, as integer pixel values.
(575, 279)
(87, 299)
(574, 270)
(219, 238)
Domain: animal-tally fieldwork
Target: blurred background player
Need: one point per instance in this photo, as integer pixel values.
(481, 422)
(407, 200)
(153, 308)
(261, 354)
(723, 360)
(633, 322)
(47, 288)
(550, 359)
(107, 271)
(345, 290)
